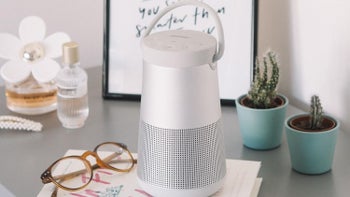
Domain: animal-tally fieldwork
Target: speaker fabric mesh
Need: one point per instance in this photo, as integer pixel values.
(181, 158)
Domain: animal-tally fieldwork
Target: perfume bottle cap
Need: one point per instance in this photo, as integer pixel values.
(70, 53)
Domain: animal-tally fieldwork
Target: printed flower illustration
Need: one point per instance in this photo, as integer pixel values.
(31, 53)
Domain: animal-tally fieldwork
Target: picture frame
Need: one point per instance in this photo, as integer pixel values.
(124, 23)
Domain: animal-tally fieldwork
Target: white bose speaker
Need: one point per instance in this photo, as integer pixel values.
(181, 146)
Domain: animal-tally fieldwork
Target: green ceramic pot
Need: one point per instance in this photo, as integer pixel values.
(311, 152)
(261, 129)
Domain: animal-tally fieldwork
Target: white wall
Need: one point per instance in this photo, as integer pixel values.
(313, 40)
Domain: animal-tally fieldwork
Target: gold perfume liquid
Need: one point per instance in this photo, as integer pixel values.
(31, 97)
(31, 100)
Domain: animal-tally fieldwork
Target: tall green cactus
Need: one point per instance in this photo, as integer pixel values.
(316, 113)
(262, 92)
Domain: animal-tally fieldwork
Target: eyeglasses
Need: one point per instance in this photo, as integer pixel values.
(109, 155)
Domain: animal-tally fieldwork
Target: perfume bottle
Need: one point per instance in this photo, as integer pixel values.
(30, 67)
(26, 93)
(71, 81)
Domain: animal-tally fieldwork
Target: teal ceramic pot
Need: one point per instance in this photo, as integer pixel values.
(261, 129)
(311, 152)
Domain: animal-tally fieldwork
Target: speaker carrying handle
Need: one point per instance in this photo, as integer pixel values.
(220, 32)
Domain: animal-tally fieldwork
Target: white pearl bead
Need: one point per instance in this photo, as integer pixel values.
(17, 123)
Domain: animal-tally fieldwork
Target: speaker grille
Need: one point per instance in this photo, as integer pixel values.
(181, 158)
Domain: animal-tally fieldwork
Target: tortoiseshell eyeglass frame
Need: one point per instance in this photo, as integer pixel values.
(46, 176)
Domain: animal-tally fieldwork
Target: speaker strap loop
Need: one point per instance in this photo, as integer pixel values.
(220, 32)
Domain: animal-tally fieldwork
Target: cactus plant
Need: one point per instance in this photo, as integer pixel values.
(262, 93)
(312, 139)
(316, 113)
(261, 112)
(315, 120)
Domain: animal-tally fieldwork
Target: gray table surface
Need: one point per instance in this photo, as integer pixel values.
(25, 155)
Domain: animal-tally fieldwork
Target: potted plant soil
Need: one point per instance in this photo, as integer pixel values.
(311, 139)
(261, 112)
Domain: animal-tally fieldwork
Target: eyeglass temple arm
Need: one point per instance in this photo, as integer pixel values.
(79, 172)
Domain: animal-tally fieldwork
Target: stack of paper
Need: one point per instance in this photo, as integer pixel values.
(241, 181)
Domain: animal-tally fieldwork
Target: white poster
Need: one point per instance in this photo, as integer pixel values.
(126, 21)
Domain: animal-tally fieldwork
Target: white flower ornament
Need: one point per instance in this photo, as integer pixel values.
(31, 53)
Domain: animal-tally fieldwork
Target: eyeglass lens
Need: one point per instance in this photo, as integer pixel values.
(66, 171)
(115, 156)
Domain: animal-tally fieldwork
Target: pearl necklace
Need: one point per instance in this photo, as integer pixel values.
(17, 123)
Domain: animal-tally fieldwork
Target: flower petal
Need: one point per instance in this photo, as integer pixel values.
(32, 29)
(15, 71)
(45, 70)
(53, 44)
(10, 46)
